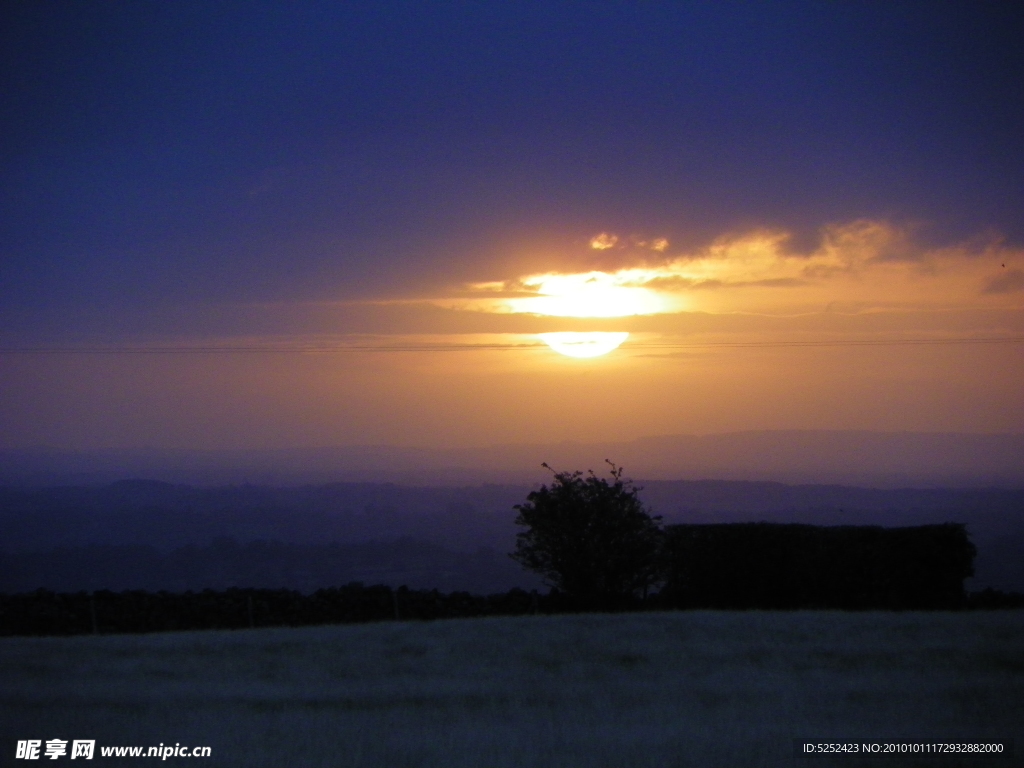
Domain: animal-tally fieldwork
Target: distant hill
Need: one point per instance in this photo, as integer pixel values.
(868, 459)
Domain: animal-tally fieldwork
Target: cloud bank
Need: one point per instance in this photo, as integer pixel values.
(861, 265)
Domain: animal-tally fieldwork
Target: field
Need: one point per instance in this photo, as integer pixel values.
(670, 689)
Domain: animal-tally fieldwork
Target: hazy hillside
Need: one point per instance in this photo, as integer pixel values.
(870, 459)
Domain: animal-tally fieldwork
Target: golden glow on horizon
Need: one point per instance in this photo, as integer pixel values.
(593, 344)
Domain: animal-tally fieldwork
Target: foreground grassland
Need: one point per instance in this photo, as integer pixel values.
(669, 689)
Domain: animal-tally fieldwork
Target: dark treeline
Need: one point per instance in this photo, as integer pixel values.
(43, 613)
(50, 613)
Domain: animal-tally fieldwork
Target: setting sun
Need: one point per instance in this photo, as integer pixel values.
(592, 344)
(588, 294)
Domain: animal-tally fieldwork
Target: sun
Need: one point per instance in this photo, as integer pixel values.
(590, 294)
(592, 344)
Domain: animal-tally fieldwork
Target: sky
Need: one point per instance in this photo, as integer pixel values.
(261, 225)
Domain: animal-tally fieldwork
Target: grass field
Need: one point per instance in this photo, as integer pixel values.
(668, 689)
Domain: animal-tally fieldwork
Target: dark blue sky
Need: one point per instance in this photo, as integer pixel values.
(196, 152)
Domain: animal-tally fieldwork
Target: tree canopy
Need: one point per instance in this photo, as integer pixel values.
(590, 537)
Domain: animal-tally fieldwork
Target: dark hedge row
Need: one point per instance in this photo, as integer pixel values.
(773, 566)
(49, 613)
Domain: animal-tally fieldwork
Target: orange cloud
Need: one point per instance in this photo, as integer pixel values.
(864, 263)
(603, 241)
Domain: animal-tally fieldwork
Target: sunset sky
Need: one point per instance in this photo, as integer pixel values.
(245, 224)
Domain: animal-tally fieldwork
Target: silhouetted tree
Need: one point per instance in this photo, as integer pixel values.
(590, 537)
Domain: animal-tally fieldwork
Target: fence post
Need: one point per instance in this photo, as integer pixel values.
(92, 612)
